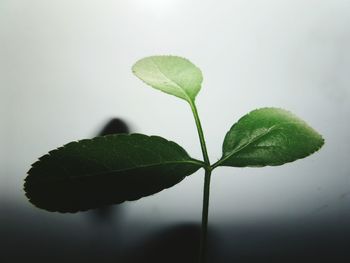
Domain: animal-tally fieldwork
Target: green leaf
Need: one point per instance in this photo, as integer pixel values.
(268, 136)
(173, 75)
(106, 170)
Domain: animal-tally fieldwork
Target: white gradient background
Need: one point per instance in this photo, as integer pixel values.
(65, 69)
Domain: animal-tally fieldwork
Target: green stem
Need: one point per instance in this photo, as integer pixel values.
(200, 133)
(203, 241)
(206, 190)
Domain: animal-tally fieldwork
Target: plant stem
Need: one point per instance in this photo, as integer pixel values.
(200, 133)
(206, 190)
(203, 241)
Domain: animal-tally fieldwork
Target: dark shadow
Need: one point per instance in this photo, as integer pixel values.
(288, 242)
(109, 214)
(38, 237)
(55, 240)
(173, 245)
(114, 126)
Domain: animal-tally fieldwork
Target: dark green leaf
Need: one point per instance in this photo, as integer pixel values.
(173, 75)
(268, 136)
(106, 170)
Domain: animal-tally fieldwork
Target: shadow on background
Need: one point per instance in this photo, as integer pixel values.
(173, 245)
(288, 242)
(106, 214)
(42, 239)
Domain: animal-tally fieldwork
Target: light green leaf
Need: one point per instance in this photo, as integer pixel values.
(268, 136)
(171, 74)
(106, 170)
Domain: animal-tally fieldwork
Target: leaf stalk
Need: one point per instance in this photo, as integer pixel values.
(200, 132)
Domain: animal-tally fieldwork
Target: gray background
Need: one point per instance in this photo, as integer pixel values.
(65, 70)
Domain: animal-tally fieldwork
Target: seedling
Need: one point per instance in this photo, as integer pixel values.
(115, 168)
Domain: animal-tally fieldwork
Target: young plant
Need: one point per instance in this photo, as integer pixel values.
(115, 168)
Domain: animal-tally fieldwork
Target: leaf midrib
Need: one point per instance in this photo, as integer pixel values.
(244, 146)
(273, 127)
(193, 161)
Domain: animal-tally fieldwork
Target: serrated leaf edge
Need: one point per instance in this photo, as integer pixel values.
(193, 161)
